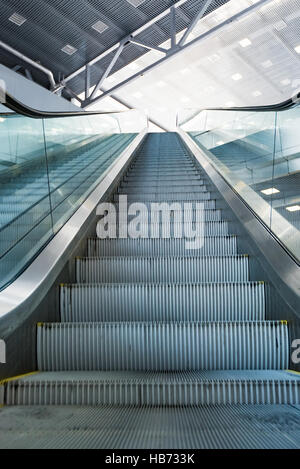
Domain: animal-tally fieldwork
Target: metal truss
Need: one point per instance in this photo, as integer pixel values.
(176, 48)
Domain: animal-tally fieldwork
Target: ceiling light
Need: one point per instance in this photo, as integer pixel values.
(185, 71)
(133, 66)
(100, 27)
(286, 82)
(293, 208)
(280, 25)
(161, 84)
(245, 42)
(256, 93)
(270, 191)
(17, 19)
(214, 58)
(137, 95)
(2, 119)
(237, 77)
(267, 64)
(70, 50)
(297, 49)
(220, 142)
(136, 3)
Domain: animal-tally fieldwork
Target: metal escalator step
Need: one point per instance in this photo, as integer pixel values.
(167, 197)
(154, 388)
(211, 246)
(205, 204)
(189, 216)
(164, 188)
(162, 346)
(162, 269)
(170, 230)
(163, 302)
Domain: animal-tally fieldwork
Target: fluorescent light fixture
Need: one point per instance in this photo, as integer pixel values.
(161, 84)
(214, 58)
(297, 49)
(136, 3)
(270, 191)
(256, 93)
(17, 19)
(137, 95)
(133, 66)
(185, 99)
(100, 27)
(237, 77)
(245, 42)
(267, 64)
(293, 208)
(286, 82)
(185, 71)
(280, 25)
(70, 50)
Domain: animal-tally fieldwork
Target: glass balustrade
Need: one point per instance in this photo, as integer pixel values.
(48, 167)
(258, 153)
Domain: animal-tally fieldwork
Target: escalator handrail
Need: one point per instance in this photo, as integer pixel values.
(19, 108)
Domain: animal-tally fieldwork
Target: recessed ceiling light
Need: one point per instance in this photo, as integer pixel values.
(70, 50)
(161, 84)
(214, 58)
(293, 208)
(133, 66)
(286, 82)
(136, 3)
(17, 19)
(185, 71)
(297, 49)
(100, 27)
(267, 64)
(237, 77)
(270, 191)
(280, 25)
(257, 93)
(245, 42)
(137, 95)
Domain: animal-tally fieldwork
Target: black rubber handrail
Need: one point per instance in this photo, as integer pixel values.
(20, 108)
(25, 110)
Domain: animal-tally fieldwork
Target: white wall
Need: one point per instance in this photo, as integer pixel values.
(32, 94)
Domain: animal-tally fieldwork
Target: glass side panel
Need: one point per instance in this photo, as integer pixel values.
(258, 153)
(47, 169)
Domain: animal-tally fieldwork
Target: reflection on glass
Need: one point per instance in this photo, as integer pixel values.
(259, 155)
(47, 169)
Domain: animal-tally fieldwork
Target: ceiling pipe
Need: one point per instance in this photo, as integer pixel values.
(31, 62)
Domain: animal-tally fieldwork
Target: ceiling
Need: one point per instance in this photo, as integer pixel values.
(90, 27)
(251, 61)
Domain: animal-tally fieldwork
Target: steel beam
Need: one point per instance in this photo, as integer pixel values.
(176, 50)
(197, 18)
(117, 45)
(107, 71)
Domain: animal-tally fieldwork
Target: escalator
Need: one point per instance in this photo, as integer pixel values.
(157, 341)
